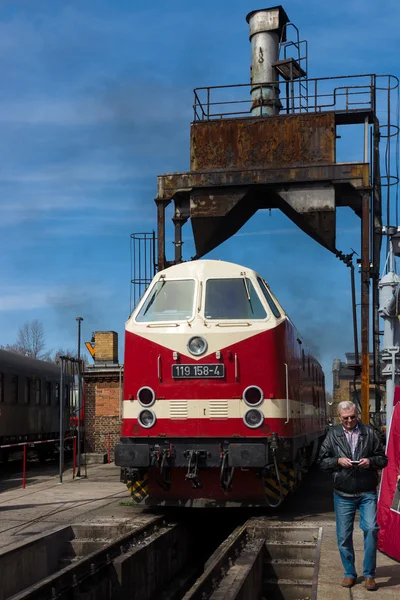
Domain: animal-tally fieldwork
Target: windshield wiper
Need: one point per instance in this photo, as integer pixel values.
(155, 295)
(246, 286)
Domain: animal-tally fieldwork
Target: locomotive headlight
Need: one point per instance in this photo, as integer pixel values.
(146, 396)
(253, 395)
(253, 418)
(147, 418)
(197, 345)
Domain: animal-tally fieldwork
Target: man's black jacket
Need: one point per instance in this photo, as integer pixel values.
(355, 480)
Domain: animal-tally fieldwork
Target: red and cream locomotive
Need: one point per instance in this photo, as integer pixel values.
(223, 403)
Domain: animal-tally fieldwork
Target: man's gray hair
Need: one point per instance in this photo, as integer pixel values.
(346, 405)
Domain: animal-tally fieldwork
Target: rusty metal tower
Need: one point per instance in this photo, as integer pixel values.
(271, 143)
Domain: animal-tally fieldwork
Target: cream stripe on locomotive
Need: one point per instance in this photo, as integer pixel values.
(233, 408)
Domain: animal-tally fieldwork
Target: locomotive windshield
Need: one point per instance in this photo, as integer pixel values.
(168, 301)
(232, 299)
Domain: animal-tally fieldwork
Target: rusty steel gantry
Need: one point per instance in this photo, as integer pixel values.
(272, 144)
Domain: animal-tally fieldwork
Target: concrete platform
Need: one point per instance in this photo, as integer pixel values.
(45, 504)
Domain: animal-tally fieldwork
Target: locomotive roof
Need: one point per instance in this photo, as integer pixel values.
(18, 361)
(207, 268)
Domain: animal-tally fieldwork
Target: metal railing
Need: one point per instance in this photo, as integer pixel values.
(143, 264)
(344, 93)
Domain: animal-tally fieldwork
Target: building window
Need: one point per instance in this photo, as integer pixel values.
(48, 393)
(38, 391)
(27, 390)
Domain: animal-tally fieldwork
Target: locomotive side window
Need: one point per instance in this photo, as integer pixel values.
(1, 387)
(57, 394)
(168, 301)
(271, 303)
(232, 299)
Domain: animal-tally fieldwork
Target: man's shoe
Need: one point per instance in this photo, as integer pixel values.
(370, 584)
(348, 582)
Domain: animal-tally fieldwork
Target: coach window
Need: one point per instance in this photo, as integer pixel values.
(27, 390)
(14, 389)
(271, 303)
(1, 387)
(38, 390)
(48, 393)
(232, 299)
(57, 394)
(171, 300)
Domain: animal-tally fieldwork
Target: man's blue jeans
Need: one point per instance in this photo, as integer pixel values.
(345, 511)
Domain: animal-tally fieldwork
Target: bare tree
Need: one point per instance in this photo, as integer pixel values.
(31, 340)
(13, 348)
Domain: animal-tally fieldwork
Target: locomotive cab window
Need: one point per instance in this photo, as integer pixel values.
(168, 301)
(268, 297)
(232, 299)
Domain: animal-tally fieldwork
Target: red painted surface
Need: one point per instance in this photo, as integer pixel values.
(261, 360)
(388, 509)
(246, 485)
(217, 427)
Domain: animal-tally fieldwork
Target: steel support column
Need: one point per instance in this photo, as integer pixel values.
(178, 222)
(161, 260)
(365, 306)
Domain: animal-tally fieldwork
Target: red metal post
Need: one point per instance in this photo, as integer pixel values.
(109, 448)
(24, 468)
(73, 457)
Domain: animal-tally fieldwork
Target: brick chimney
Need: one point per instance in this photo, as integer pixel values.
(106, 347)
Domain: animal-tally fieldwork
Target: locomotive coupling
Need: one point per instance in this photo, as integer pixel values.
(274, 441)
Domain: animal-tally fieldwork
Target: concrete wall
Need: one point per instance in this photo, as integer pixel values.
(31, 562)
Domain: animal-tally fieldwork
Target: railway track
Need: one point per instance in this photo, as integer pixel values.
(155, 557)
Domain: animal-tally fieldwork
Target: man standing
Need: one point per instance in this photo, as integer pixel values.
(354, 452)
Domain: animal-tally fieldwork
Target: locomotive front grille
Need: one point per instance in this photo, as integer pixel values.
(178, 409)
(218, 409)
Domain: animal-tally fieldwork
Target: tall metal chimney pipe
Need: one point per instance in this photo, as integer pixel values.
(266, 27)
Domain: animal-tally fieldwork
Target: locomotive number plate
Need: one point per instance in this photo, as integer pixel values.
(198, 371)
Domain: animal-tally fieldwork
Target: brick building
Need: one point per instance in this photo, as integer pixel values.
(347, 386)
(103, 394)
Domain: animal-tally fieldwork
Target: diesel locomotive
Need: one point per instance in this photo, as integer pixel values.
(224, 404)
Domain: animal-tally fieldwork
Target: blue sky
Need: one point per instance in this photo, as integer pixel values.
(95, 102)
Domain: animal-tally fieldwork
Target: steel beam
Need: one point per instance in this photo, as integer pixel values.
(365, 306)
